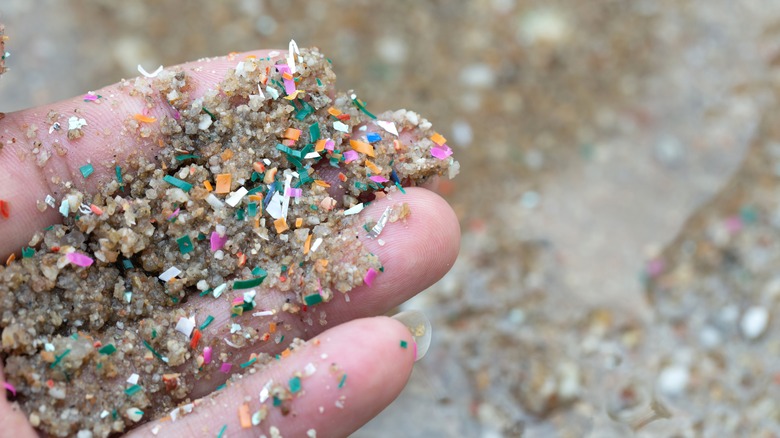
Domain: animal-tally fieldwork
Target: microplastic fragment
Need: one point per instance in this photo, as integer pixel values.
(373, 137)
(222, 431)
(132, 390)
(343, 381)
(216, 241)
(79, 259)
(362, 147)
(133, 379)
(312, 300)
(292, 50)
(438, 139)
(226, 367)
(209, 320)
(219, 290)
(380, 224)
(185, 244)
(266, 391)
(185, 325)
(338, 126)
(272, 91)
(248, 284)
(370, 276)
(87, 170)
(10, 388)
(49, 201)
(134, 414)
(223, 183)
(147, 74)
(76, 123)
(354, 210)
(169, 273)
(378, 179)
(107, 349)
(236, 196)
(316, 244)
(350, 156)
(176, 182)
(207, 355)
(388, 126)
(214, 202)
(404, 344)
(441, 152)
(295, 384)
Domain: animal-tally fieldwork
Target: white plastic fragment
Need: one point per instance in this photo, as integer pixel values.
(673, 380)
(185, 325)
(214, 202)
(309, 369)
(274, 207)
(219, 290)
(135, 414)
(272, 91)
(64, 207)
(170, 273)
(204, 122)
(286, 198)
(235, 197)
(153, 74)
(104, 413)
(380, 224)
(49, 201)
(266, 391)
(235, 328)
(754, 322)
(76, 123)
(388, 126)
(338, 126)
(133, 379)
(48, 346)
(311, 155)
(316, 244)
(292, 50)
(354, 210)
(264, 313)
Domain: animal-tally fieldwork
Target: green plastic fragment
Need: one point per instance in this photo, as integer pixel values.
(206, 292)
(404, 344)
(132, 390)
(119, 178)
(259, 272)
(127, 264)
(213, 117)
(358, 103)
(313, 299)
(185, 244)
(222, 431)
(201, 236)
(249, 362)
(186, 157)
(295, 384)
(257, 189)
(222, 386)
(277, 401)
(209, 320)
(87, 170)
(240, 214)
(57, 359)
(247, 284)
(154, 352)
(319, 82)
(343, 381)
(107, 349)
(314, 132)
(28, 252)
(176, 182)
(154, 333)
(251, 209)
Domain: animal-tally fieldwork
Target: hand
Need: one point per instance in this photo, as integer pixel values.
(369, 350)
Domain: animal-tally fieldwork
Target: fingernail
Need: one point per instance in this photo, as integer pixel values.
(420, 328)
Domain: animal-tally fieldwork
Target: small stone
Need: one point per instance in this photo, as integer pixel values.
(754, 322)
(673, 380)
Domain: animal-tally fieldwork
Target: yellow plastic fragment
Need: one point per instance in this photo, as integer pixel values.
(208, 186)
(281, 225)
(373, 167)
(320, 145)
(334, 112)
(307, 245)
(223, 183)
(362, 147)
(298, 222)
(321, 183)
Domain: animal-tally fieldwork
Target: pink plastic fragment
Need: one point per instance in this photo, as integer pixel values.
(289, 84)
(441, 152)
(330, 145)
(207, 355)
(350, 156)
(79, 259)
(370, 276)
(90, 97)
(217, 242)
(238, 301)
(225, 368)
(294, 193)
(378, 179)
(10, 387)
(174, 214)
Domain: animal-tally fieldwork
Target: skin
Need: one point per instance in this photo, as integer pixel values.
(364, 346)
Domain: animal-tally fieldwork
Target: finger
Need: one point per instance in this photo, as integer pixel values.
(415, 253)
(11, 416)
(376, 356)
(107, 141)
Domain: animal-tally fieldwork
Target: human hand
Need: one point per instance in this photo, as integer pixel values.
(366, 350)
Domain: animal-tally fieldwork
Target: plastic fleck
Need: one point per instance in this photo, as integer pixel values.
(87, 170)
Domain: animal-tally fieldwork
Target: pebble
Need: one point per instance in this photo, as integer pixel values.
(754, 322)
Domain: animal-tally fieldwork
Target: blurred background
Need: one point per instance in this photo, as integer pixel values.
(618, 195)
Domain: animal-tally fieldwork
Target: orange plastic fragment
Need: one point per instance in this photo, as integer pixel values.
(307, 245)
(226, 155)
(208, 186)
(334, 112)
(298, 222)
(287, 76)
(321, 183)
(286, 352)
(281, 225)
(5, 209)
(243, 416)
(438, 139)
(257, 197)
(292, 133)
(362, 147)
(272, 327)
(398, 145)
(258, 167)
(342, 177)
(195, 339)
(320, 145)
(145, 119)
(373, 167)
(95, 209)
(223, 183)
(10, 259)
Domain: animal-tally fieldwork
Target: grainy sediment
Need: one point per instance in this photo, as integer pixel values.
(72, 335)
